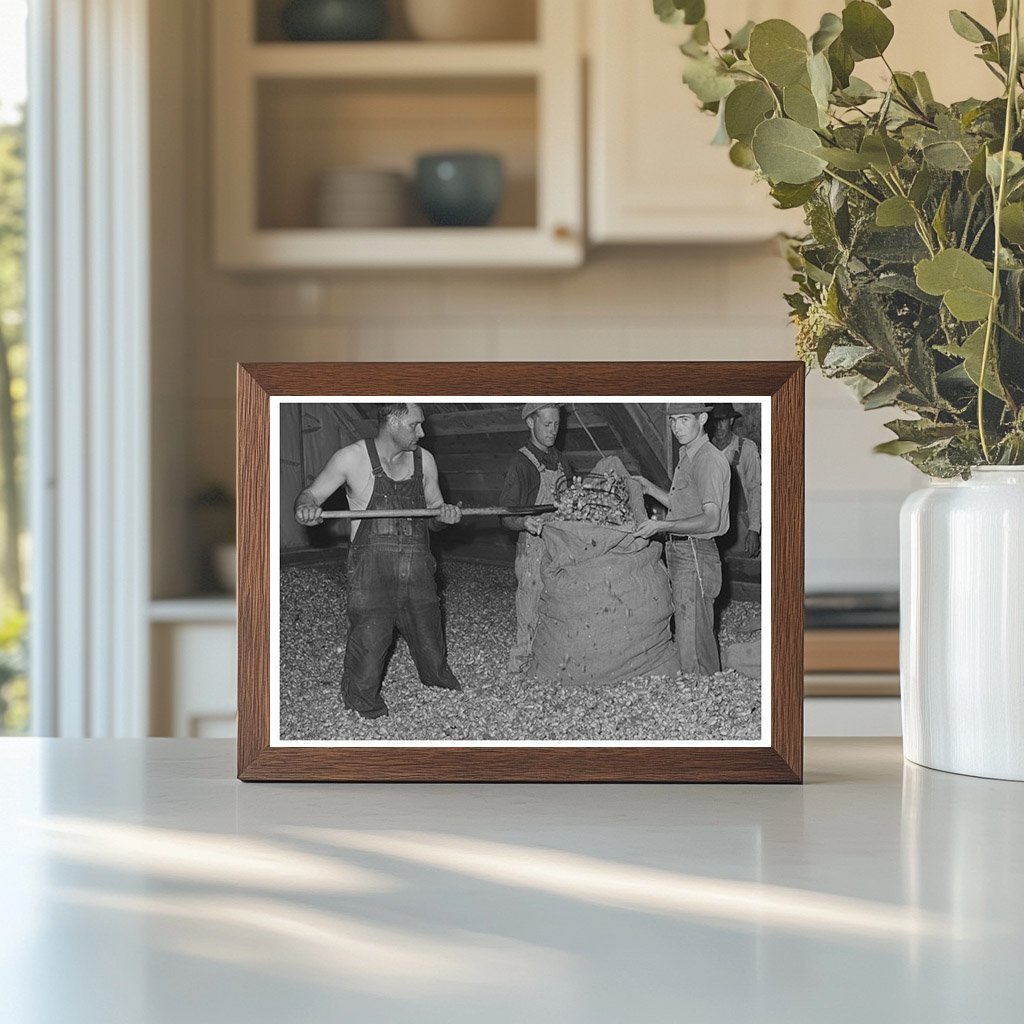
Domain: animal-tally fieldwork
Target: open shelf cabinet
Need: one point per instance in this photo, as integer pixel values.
(285, 113)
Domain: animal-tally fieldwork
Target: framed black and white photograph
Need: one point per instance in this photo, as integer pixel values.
(520, 571)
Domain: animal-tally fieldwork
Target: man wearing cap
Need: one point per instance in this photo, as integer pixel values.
(698, 512)
(746, 476)
(536, 474)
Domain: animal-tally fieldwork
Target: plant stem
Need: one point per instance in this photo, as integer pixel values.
(922, 225)
(993, 308)
(855, 187)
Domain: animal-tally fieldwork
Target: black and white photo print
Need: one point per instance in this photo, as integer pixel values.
(535, 570)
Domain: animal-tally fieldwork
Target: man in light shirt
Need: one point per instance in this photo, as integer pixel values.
(698, 512)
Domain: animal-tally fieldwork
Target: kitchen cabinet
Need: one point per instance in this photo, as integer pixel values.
(286, 113)
(193, 667)
(653, 175)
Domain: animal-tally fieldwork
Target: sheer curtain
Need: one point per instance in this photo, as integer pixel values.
(88, 314)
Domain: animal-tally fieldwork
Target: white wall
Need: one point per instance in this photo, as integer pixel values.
(721, 302)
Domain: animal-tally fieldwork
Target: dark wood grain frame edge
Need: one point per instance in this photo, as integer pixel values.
(253, 530)
(782, 382)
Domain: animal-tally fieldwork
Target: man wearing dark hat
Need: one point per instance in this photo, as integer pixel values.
(390, 568)
(746, 476)
(698, 512)
(535, 475)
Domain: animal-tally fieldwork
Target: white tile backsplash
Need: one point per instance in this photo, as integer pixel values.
(719, 302)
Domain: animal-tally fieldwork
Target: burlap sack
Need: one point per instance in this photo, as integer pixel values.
(606, 607)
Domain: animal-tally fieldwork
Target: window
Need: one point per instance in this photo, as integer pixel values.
(14, 547)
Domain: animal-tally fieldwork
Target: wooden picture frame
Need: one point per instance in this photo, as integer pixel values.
(777, 757)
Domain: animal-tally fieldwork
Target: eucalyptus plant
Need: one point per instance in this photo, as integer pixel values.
(910, 279)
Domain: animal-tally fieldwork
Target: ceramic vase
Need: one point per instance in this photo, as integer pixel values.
(962, 624)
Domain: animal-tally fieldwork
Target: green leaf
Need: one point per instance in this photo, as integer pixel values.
(946, 156)
(830, 28)
(963, 281)
(895, 447)
(742, 155)
(841, 60)
(971, 352)
(994, 167)
(939, 220)
(999, 7)
(885, 394)
(976, 175)
(701, 33)
(866, 29)
(745, 108)
(924, 88)
(923, 431)
(921, 185)
(694, 11)
(800, 105)
(721, 136)
(858, 91)
(679, 12)
(1011, 225)
(820, 75)
(739, 41)
(968, 28)
(896, 212)
(778, 50)
(789, 197)
(844, 159)
(883, 153)
(707, 80)
(785, 152)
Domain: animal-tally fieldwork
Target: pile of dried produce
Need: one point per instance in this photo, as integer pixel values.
(601, 498)
(480, 613)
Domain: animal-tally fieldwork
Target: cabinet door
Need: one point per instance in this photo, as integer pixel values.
(653, 174)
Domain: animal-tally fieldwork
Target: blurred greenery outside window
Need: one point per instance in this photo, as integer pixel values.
(14, 546)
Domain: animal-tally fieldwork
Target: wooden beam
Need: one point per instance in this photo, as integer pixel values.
(634, 435)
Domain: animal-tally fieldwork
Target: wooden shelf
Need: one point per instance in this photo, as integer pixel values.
(392, 60)
(400, 247)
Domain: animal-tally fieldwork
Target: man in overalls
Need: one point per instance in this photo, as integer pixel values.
(745, 462)
(698, 512)
(390, 568)
(536, 474)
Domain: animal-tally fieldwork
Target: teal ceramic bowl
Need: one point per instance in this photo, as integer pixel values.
(331, 21)
(461, 190)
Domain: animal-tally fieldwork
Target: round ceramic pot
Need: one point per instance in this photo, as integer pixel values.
(962, 624)
(334, 20)
(460, 189)
(470, 20)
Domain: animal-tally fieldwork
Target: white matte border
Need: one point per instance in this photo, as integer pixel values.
(275, 566)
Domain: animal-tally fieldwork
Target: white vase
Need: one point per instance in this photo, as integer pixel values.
(962, 624)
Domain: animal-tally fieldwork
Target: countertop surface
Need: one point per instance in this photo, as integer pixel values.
(143, 884)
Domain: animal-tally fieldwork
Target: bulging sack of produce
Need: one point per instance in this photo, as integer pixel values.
(605, 608)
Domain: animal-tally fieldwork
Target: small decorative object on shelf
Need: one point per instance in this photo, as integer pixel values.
(909, 287)
(471, 20)
(334, 20)
(361, 197)
(460, 189)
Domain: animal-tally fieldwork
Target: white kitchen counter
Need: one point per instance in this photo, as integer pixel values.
(142, 884)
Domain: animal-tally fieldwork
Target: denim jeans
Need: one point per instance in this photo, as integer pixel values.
(695, 569)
